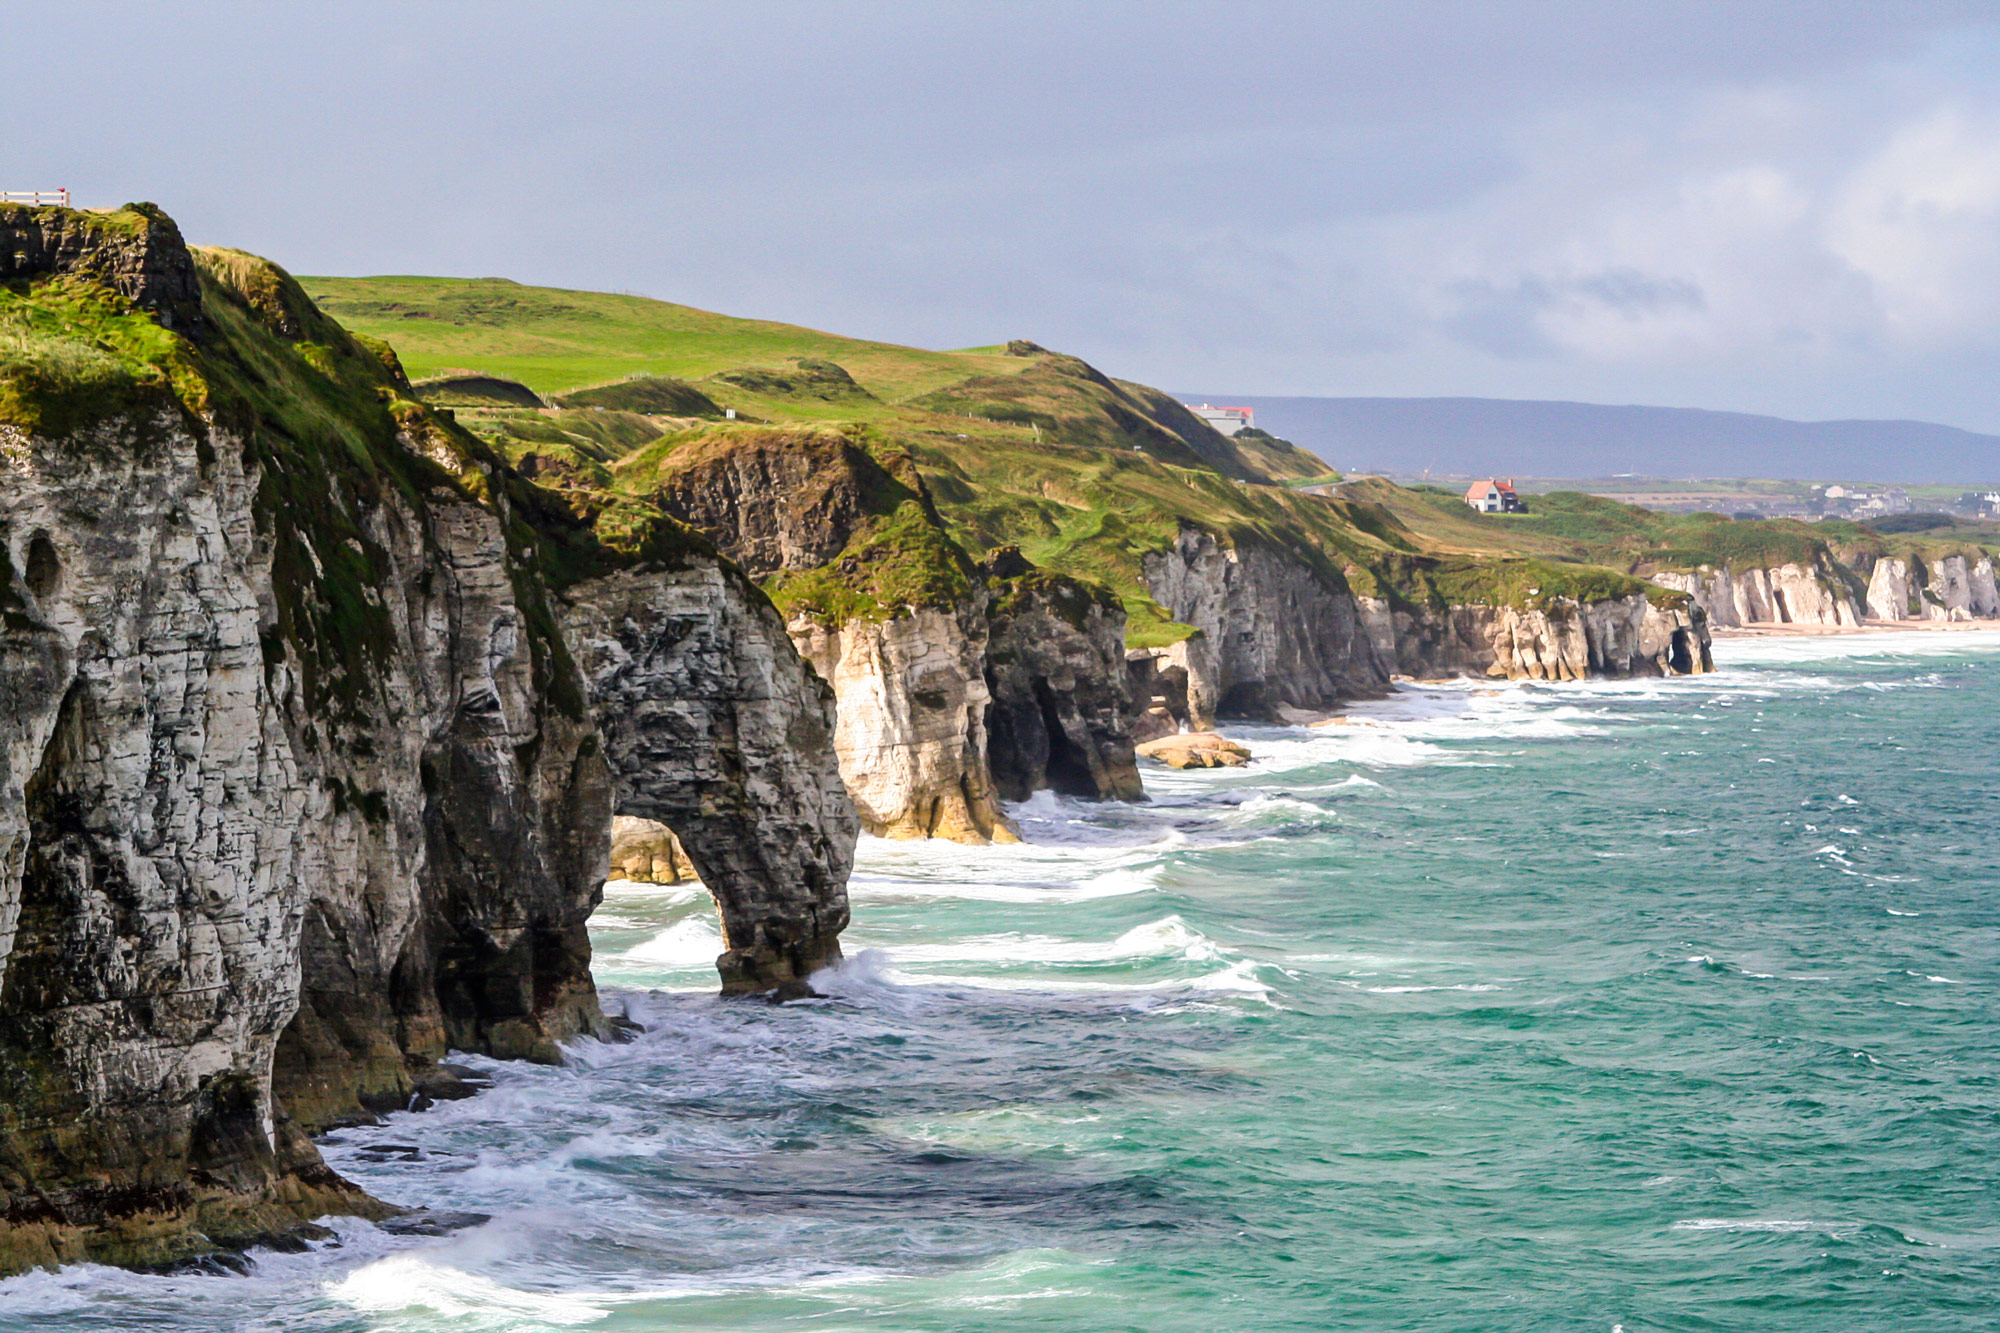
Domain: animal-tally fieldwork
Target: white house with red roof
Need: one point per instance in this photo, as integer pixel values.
(1228, 420)
(1494, 496)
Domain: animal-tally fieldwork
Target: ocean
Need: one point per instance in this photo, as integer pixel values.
(1662, 1004)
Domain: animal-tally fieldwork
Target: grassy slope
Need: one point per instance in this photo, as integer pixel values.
(1087, 474)
(554, 340)
(1020, 446)
(1569, 525)
(329, 419)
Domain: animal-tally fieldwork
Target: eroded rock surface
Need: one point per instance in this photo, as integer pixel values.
(1196, 749)
(956, 686)
(1791, 594)
(647, 852)
(1060, 716)
(715, 728)
(1274, 630)
(301, 783)
(1562, 640)
(1950, 588)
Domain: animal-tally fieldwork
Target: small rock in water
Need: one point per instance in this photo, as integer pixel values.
(1196, 749)
(424, 1222)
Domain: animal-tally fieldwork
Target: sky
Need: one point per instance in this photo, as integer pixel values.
(1766, 207)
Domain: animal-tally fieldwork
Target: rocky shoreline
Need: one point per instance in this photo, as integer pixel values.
(319, 714)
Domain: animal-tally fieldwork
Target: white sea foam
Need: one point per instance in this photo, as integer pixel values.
(1116, 883)
(872, 971)
(1778, 1224)
(1787, 649)
(407, 1282)
(693, 942)
(1168, 937)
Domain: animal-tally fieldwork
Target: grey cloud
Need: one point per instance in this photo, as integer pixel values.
(1635, 293)
(1242, 194)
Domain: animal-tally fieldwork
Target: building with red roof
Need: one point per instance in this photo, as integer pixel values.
(1494, 496)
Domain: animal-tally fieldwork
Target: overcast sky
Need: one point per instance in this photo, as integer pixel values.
(1760, 206)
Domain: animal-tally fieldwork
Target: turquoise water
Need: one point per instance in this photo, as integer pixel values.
(1650, 1005)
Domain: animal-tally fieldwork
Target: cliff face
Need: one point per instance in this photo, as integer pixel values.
(1952, 588)
(300, 781)
(1060, 716)
(1275, 633)
(715, 728)
(239, 894)
(153, 858)
(1907, 587)
(1789, 594)
(954, 685)
(1276, 637)
(911, 721)
(1563, 640)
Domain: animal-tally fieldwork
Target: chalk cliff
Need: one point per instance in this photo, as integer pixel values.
(1789, 594)
(1281, 635)
(1277, 630)
(956, 685)
(1950, 588)
(1561, 639)
(301, 783)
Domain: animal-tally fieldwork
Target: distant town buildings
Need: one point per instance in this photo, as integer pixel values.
(1839, 501)
(1494, 496)
(1228, 420)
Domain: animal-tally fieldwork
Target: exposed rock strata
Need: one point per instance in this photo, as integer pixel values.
(1562, 640)
(1173, 688)
(1276, 632)
(1055, 670)
(647, 852)
(715, 728)
(1950, 588)
(910, 724)
(956, 686)
(1789, 594)
(206, 841)
(299, 779)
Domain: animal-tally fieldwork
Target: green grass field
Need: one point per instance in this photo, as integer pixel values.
(1087, 474)
(554, 340)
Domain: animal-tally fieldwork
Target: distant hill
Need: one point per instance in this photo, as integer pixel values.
(1466, 436)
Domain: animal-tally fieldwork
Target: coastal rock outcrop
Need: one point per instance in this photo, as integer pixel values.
(911, 720)
(1060, 716)
(1947, 588)
(137, 253)
(301, 784)
(1789, 594)
(647, 852)
(1277, 632)
(1196, 749)
(1561, 639)
(713, 727)
(956, 686)
(261, 863)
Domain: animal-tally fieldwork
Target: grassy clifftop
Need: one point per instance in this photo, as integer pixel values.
(554, 340)
(1572, 526)
(126, 331)
(1017, 446)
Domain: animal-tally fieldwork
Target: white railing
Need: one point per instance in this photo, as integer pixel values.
(37, 198)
